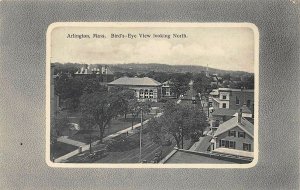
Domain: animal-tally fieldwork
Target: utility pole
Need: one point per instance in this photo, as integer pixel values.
(207, 112)
(182, 140)
(141, 128)
(90, 142)
(181, 129)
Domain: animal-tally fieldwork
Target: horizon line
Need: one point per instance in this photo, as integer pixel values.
(150, 63)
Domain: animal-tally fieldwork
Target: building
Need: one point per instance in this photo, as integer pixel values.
(188, 157)
(235, 136)
(145, 88)
(233, 98)
(224, 114)
(215, 81)
(102, 72)
(166, 90)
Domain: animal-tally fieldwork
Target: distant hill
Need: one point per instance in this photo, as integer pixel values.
(145, 68)
(141, 68)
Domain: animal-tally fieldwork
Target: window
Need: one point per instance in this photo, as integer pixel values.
(231, 133)
(237, 101)
(232, 144)
(217, 123)
(151, 93)
(224, 97)
(141, 93)
(248, 103)
(227, 144)
(246, 147)
(242, 134)
(146, 93)
(224, 105)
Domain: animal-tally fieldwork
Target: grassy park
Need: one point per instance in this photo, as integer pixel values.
(61, 149)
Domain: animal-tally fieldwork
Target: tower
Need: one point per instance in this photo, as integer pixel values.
(206, 72)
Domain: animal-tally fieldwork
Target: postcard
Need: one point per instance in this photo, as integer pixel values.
(152, 95)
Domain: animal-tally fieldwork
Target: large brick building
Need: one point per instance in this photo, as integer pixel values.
(145, 88)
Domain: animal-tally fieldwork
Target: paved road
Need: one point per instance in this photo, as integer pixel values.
(132, 156)
(86, 146)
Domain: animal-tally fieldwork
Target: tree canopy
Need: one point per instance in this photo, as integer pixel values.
(201, 83)
(179, 121)
(180, 83)
(100, 107)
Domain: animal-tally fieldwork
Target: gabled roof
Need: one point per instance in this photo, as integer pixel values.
(126, 81)
(230, 112)
(167, 83)
(245, 109)
(224, 111)
(245, 125)
(214, 92)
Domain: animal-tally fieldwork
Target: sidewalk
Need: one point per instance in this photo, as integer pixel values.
(87, 146)
(65, 139)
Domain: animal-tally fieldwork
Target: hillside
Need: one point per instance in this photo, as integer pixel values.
(145, 68)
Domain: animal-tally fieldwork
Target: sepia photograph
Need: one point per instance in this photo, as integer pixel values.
(149, 95)
(154, 95)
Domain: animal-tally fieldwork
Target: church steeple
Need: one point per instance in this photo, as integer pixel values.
(206, 72)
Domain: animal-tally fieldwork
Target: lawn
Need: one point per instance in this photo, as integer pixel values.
(116, 125)
(59, 149)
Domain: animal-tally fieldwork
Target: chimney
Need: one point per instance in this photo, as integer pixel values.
(240, 116)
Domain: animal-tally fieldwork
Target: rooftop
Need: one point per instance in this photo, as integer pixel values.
(224, 111)
(236, 90)
(128, 81)
(190, 157)
(245, 109)
(94, 69)
(234, 152)
(214, 92)
(245, 125)
(231, 112)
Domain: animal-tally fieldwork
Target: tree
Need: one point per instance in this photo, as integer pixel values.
(201, 83)
(157, 132)
(100, 108)
(87, 127)
(127, 96)
(91, 85)
(179, 83)
(69, 88)
(248, 82)
(178, 121)
(227, 77)
(135, 107)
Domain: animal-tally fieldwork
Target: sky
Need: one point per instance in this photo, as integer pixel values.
(227, 48)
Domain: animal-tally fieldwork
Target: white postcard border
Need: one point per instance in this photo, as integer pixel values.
(145, 25)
